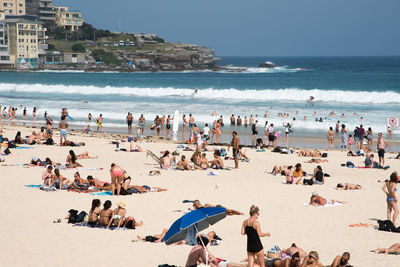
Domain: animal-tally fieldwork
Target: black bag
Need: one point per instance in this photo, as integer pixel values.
(387, 226)
(122, 192)
(277, 149)
(49, 142)
(308, 182)
(7, 151)
(80, 217)
(324, 155)
(150, 238)
(11, 145)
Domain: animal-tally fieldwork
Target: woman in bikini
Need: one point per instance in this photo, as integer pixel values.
(213, 131)
(218, 131)
(331, 138)
(94, 212)
(118, 215)
(251, 228)
(184, 126)
(85, 155)
(71, 160)
(105, 214)
(59, 181)
(47, 176)
(117, 176)
(389, 188)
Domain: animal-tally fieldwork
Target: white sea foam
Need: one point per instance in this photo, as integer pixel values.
(262, 95)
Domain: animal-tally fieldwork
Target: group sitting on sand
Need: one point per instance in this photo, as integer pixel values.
(107, 217)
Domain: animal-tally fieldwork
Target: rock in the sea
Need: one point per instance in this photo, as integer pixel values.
(267, 65)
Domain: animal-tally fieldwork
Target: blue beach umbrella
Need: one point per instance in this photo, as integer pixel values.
(200, 219)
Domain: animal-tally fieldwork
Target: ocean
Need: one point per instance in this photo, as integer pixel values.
(368, 86)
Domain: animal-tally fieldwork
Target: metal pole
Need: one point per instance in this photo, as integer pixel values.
(201, 240)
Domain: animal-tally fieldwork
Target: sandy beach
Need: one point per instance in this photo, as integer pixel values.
(29, 236)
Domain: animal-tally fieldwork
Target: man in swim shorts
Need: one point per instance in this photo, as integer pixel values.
(381, 146)
(235, 148)
(63, 125)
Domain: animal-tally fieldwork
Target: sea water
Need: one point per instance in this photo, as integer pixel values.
(368, 86)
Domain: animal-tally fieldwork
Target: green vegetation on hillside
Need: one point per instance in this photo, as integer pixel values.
(107, 58)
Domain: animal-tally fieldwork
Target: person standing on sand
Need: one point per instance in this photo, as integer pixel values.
(117, 176)
(63, 126)
(381, 146)
(251, 120)
(100, 123)
(245, 121)
(343, 134)
(235, 148)
(271, 135)
(184, 123)
(331, 138)
(233, 120)
(389, 188)
(239, 121)
(251, 228)
(254, 134)
(129, 121)
(168, 126)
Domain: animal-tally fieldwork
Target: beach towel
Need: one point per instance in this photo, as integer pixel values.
(105, 193)
(33, 185)
(326, 205)
(213, 173)
(360, 225)
(24, 147)
(85, 224)
(83, 190)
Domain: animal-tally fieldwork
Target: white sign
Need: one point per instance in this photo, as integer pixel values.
(393, 123)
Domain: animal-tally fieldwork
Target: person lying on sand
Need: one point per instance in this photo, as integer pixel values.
(145, 188)
(393, 249)
(309, 153)
(317, 200)
(85, 155)
(312, 260)
(294, 249)
(242, 154)
(217, 162)
(71, 160)
(159, 237)
(348, 186)
(316, 160)
(197, 205)
(341, 261)
(95, 182)
(289, 262)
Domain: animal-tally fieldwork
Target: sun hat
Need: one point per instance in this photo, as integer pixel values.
(121, 205)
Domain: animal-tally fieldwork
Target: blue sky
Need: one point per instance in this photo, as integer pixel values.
(257, 27)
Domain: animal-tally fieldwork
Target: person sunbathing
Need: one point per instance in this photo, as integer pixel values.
(71, 160)
(154, 238)
(289, 175)
(298, 174)
(47, 176)
(134, 146)
(85, 155)
(59, 181)
(317, 200)
(78, 181)
(316, 160)
(289, 262)
(217, 162)
(183, 164)
(312, 260)
(348, 186)
(145, 188)
(318, 176)
(282, 170)
(165, 160)
(202, 163)
(34, 139)
(197, 205)
(118, 216)
(294, 249)
(341, 261)
(393, 249)
(242, 154)
(94, 212)
(105, 214)
(95, 182)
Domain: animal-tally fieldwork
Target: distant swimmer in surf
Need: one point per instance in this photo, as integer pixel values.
(196, 90)
(84, 101)
(311, 100)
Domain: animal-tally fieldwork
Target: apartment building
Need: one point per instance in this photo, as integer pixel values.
(27, 40)
(13, 7)
(69, 20)
(6, 60)
(43, 9)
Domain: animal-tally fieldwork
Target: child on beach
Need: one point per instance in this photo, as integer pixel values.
(350, 142)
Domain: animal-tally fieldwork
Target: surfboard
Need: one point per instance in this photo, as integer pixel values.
(175, 127)
(70, 117)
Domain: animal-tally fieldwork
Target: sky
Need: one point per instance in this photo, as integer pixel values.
(257, 27)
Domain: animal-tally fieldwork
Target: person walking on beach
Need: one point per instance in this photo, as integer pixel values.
(331, 138)
(142, 123)
(389, 188)
(129, 121)
(235, 148)
(381, 146)
(251, 228)
(99, 122)
(343, 134)
(63, 126)
(254, 134)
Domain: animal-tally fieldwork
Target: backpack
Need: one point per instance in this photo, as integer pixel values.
(223, 152)
(308, 182)
(387, 226)
(72, 215)
(49, 142)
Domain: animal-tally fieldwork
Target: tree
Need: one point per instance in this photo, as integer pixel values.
(78, 48)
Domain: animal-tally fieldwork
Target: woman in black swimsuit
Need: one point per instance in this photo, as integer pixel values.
(94, 212)
(251, 228)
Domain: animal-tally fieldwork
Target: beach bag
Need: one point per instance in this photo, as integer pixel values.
(223, 152)
(72, 215)
(350, 164)
(49, 142)
(7, 151)
(350, 154)
(308, 182)
(387, 226)
(324, 155)
(277, 149)
(11, 145)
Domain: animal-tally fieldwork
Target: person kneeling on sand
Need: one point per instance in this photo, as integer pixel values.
(197, 205)
(317, 200)
(217, 161)
(341, 261)
(311, 260)
(393, 249)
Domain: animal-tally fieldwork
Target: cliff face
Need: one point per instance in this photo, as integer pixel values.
(147, 57)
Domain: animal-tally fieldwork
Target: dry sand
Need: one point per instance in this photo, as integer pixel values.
(30, 238)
